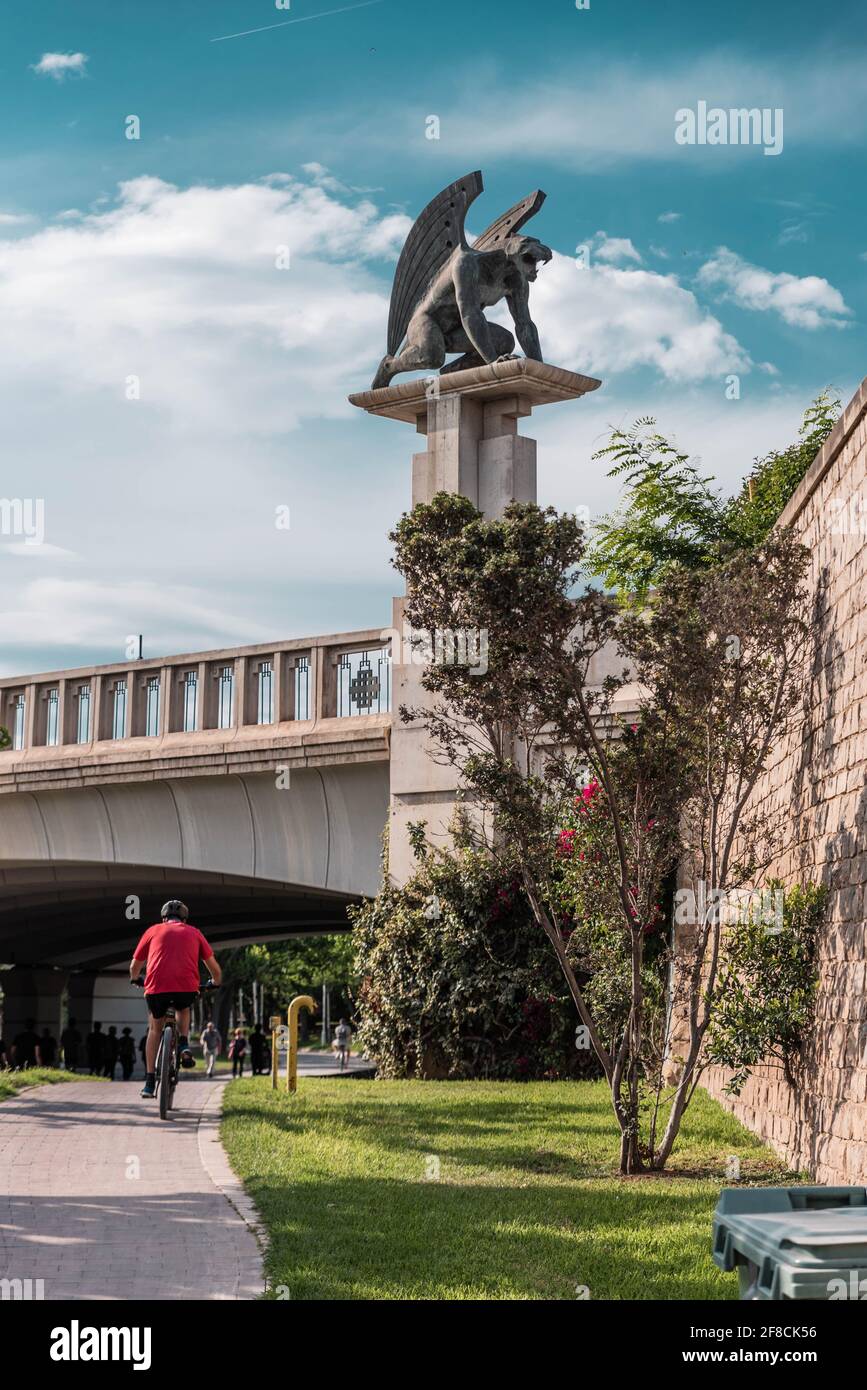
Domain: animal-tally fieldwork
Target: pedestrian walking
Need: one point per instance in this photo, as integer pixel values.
(110, 1053)
(126, 1053)
(342, 1043)
(237, 1049)
(211, 1045)
(258, 1047)
(70, 1042)
(25, 1046)
(47, 1049)
(94, 1046)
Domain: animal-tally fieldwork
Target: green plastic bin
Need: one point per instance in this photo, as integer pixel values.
(792, 1242)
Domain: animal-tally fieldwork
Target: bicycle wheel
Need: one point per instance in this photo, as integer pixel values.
(165, 1072)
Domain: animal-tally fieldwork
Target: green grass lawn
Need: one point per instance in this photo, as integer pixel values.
(11, 1082)
(528, 1203)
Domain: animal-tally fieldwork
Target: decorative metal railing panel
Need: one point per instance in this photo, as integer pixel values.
(364, 683)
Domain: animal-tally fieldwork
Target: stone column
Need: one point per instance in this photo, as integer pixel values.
(31, 696)
(31, 992)
(80, 1002)
(100, 707)
(168, 699)
(470, 420)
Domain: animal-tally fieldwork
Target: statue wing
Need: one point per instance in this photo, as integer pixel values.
(435, 234)
(510, 222)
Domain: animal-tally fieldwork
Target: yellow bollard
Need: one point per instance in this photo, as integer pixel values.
(276, 1023)
(303, 1001)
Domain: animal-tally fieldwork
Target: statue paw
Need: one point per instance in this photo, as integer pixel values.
(508, 357)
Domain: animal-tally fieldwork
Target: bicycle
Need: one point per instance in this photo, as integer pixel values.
(167, 1057)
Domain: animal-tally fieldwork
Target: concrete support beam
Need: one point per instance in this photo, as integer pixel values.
(31, 993)
(470, 419)
(80, 1001)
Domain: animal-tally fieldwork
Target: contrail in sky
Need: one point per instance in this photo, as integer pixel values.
(303, 20)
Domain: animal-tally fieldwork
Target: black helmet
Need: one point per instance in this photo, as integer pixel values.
(174, 908)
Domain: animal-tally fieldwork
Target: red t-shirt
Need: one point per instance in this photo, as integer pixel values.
(172, 951)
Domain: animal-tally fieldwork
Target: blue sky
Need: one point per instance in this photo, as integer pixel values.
(154, 259)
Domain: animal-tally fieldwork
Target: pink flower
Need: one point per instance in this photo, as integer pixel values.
(586, 800)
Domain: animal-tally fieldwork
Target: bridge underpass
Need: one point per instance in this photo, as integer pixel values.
(268, 824)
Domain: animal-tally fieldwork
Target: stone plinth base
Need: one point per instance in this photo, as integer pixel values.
(470, 419)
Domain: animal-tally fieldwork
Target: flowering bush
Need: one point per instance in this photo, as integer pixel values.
(454, 979)
(591, 920)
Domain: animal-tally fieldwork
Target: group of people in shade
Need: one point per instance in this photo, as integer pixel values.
(102, 1052)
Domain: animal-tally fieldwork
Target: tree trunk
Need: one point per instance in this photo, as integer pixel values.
(630, 1154)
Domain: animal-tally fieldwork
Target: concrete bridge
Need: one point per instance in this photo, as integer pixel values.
(255, 781)
(252, 781)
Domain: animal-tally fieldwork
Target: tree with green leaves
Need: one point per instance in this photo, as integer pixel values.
(672, 516)
(285, 969)
(708, 673)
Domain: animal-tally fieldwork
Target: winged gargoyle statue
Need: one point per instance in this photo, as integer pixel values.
(442, 285)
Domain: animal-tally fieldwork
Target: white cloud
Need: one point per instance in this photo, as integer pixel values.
(15, 219)
(669, 217)
(614, 249)
(39, 552)
(605, 319)
(181, 289)
(793, 230)
(89, 613)
(604, 112)
(322, 176)
(806, 301)
(60, 65)
(168, 502)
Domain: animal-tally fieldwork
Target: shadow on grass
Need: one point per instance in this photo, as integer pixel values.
(373, 1238)
(524, 1203)
(575, 1140)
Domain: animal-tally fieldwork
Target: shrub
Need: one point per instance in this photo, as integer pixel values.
(456, 981)
(767, 985)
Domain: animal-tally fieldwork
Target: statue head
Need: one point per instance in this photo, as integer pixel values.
(527, 254)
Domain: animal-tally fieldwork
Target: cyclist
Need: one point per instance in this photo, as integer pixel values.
(171, 949)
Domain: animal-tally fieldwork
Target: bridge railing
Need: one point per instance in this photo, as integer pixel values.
(340, 676)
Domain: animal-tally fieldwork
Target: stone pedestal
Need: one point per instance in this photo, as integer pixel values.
(470, 420)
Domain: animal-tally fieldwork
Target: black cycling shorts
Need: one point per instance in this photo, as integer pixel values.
(158, 1003)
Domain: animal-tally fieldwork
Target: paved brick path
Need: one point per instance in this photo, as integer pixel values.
(103, 1200)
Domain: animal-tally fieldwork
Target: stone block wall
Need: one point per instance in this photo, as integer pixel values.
(816, 789)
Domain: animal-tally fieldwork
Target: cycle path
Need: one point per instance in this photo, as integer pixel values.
(100, 1199)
